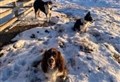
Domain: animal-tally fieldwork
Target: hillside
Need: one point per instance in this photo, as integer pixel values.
(93, 56)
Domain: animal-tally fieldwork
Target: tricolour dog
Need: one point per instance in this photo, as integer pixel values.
(45, 7)
(82, 24)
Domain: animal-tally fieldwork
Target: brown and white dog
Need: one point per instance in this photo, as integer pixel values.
(53, 65)
(45, 7)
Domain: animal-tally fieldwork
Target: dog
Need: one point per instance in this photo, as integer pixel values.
(45, 7)
(82, 24)
(53, 65)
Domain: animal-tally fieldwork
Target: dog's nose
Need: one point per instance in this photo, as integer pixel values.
(51, 60)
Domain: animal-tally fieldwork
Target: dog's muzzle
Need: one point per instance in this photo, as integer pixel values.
(51, 63)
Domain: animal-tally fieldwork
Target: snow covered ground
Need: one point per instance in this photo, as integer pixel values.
(93, 56)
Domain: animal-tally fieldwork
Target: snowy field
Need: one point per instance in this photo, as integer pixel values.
(93, 56)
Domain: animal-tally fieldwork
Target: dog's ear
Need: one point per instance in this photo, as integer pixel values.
(44, 64)
(45, 54)
(88, 17)
(88, 14)
(60, 62)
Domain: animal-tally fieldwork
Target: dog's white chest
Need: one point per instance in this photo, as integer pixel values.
(85, 26)
(52, 76)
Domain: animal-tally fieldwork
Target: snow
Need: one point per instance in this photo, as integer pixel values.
(93, 56)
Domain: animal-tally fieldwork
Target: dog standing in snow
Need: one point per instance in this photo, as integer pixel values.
(82, 24)
(45, 7)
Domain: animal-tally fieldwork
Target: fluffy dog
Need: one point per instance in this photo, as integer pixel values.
(53, 65)
(45, 7)
(82, 24)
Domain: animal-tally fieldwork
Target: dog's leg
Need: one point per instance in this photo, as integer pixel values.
(47, 12)
(36, 11)
(39, 13)
(35, 15)
(48, 17)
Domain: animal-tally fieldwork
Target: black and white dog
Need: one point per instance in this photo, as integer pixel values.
(45, 7)
(82, 24)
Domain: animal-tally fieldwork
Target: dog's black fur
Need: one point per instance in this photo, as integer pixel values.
(80, 24)
(40, 5)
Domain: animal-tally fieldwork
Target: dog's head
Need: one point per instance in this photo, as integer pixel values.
(48, 4)
(88, 17)
(52, 59)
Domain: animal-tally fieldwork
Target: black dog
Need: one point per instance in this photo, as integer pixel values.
(82, 24)
(45, 7)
